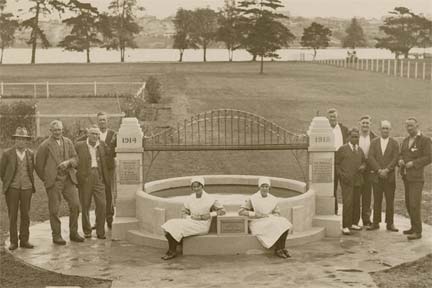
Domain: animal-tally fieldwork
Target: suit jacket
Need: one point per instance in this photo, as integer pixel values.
(420, 153)
(8, 167)
(344, 131)
(348, 163)
(84, 162)
(47, 161)
(377, 160)
(111, 144)
(368, 169)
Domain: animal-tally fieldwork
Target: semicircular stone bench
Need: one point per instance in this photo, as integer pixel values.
(152, 211)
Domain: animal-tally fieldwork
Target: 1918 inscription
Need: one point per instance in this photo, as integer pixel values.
(129, 171)
(322, 170)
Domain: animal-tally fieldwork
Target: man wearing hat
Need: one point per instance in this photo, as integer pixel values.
(56, 160)
(16, 173)
(93, 176)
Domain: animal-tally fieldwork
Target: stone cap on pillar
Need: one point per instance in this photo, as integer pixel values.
(321, 136)
(129, 137)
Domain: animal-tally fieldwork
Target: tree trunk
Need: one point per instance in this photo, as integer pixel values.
(315, 52)
(204, 53)
(406, 54)
(181, 56)
(1, 56)
(34, 35)
(122, 54)
(231, 55)
(262, 65)
(254, 56)
(88, 54)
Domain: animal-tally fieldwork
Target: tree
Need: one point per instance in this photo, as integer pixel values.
(183, 23)
(85, 28)
(355, 36)
(204, 28)
(123, 26)
(37, 35)
(404, 30)
(229, 30)
(8, 26)
(424, 38)
(316, 36)
(263, 33)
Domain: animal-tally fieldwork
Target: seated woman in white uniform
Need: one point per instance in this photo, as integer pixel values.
(197, 212)
(266, 223)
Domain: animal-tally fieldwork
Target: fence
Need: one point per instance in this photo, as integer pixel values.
(68, 89)
(404, 68)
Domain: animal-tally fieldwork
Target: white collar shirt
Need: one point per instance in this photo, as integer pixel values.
(384, 142)
(364, 143)
(92, 150)
(353, 147)
(20, 154)
(103, 135)
(338, 136)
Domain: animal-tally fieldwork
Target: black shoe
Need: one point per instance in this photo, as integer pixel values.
(101, 237)
(59, 241)
(373, 227)
(13, 246)
(414, 236)
(408, 232)
(94, 227)
(169, 255)
(26, 244)
(392, 228)
(76, 238)
(87, 235)
(109, 224)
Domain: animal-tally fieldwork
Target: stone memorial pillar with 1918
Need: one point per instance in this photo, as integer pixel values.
(321, 164)
(129, 166)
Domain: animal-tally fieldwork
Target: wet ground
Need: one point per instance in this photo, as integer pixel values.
(333, 262)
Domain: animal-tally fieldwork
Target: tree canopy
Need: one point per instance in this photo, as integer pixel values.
(8, 26)
(355, 36)
(183, 29)
(316, 36)
(204, 28)
(229, 31)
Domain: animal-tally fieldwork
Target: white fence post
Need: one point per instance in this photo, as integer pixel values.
(95, 89)
(47, 90)
(424, 70)
(409, 68)
(402, 68)
(1, 89)
(416, 70)
(388, 66)
(395, 67)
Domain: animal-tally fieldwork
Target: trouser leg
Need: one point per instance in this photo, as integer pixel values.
(85, 199)
(356, 205)
(54, 200)
(109, 206)
(378, 196)
(335, 186)
(347, 210)
(366, 195)
(415, 190)
(25, 199)
(100, 203)
(389, 198)
(70, 194)
(407, 198)
(12, 202)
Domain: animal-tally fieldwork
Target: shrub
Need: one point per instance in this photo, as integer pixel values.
(153, 90)
(15, 114)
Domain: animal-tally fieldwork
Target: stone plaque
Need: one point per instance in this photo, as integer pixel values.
(232, 225)
(129, 171)
(322, 170)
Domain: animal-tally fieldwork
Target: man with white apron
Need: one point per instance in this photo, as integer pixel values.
(266, 223)
(197, 212)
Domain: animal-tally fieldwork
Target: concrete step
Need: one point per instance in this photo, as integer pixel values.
(121, 226)
(213, 244)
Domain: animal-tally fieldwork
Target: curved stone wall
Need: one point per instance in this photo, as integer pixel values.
(153, 211)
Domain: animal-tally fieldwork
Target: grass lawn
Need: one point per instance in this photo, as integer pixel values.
(289, 94)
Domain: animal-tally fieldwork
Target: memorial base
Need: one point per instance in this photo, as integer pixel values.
(325, 205)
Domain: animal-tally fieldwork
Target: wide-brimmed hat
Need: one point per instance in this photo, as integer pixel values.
(21, 132)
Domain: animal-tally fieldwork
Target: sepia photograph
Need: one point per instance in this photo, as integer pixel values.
(215, 143)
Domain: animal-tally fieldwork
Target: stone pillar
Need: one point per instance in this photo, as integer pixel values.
(129, 166)
(321, 164)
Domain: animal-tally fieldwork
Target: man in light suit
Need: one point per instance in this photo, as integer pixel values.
(382, 160)
(16, 173)
(415, 154)
(341, 137)
(350, 165)
(92, 179)
(56, 161)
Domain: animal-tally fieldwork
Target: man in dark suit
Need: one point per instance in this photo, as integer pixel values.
(415, 154)
(341, 137)
(56, 161)
(92, 173)
(366, 137)
(382, 160)
(350, 165)
(16, 173)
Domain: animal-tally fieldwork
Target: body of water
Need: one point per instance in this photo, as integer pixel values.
(99, 55)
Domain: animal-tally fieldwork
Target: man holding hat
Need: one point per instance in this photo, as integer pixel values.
(16, 173)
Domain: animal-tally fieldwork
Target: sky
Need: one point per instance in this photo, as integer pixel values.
(305, 8)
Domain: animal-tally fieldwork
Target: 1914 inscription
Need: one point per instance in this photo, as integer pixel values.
(322, 170)
(129, 171)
